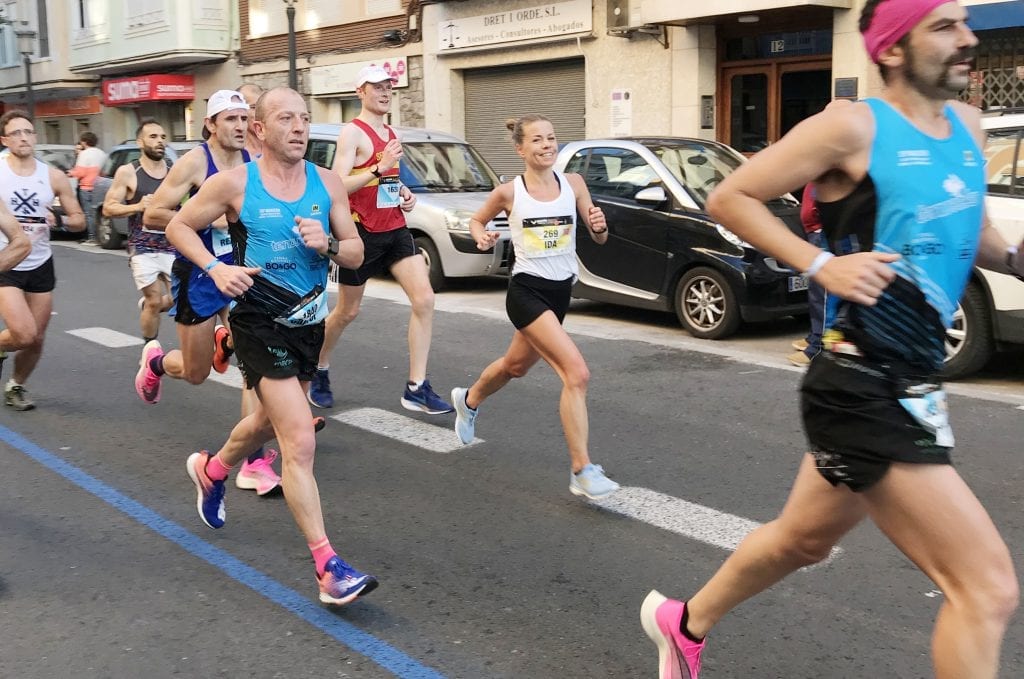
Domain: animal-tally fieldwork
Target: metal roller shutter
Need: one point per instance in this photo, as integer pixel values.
(556, 90)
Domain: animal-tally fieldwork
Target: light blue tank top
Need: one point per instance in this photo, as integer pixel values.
(928, 201)
(268, 237)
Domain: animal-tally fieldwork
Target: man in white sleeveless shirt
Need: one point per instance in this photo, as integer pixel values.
(28, 187)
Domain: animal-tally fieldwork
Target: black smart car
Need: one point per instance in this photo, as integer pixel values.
(664, 251)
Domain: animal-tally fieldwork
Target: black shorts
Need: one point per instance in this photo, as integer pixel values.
(530, 296)
(380, 252)
(266, 348)
(855, 424)
(40, 279)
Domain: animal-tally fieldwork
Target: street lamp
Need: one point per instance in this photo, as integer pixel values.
(27, 47)
(293, 76)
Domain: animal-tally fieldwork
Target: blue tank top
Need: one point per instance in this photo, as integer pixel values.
(266, 236)
(922, 198)
(216, 241)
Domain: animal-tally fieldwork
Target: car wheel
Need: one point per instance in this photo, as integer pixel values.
(426, 247)
(106, 234)
(706, 304)
(969, 341)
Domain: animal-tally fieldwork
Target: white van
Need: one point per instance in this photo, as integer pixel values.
(991, 313)
(451, 181)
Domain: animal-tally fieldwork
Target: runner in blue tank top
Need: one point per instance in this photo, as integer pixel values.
(198, 303)
(900, 190)
(288, 220)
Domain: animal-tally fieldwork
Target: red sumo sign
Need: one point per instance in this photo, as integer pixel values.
(123, 91)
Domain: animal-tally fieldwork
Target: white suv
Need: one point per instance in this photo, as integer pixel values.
(451, 181)
(991, 312)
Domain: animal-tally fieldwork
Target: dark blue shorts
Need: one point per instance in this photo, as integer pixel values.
(196, 296)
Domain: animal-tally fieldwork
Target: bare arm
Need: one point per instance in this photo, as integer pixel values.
(840, 138)
(74, 217)
(593, 216)
(189, 171)
(18, 243)
(347, 151)
(499, 200)
(350, 245)
(122, 188)
(220, 194)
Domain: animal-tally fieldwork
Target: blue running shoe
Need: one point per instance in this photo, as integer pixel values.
(210, 493)
(320, 390)
(425, 400)
(465, 417)
(341, 583)
(592, 483)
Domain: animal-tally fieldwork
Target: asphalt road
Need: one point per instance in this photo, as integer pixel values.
(489, 568)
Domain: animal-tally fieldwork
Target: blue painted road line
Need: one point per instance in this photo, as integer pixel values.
(376, 650)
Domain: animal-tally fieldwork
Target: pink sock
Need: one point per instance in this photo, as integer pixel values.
(322, 553)
(217, 470)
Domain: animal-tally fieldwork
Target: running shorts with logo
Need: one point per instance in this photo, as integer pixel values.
(856, 424)
(873, 397)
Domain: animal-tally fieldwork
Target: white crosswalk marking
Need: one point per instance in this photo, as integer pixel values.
(673, 514)
(232, 378)
(405, 429)
(688, 519)
(107, 337)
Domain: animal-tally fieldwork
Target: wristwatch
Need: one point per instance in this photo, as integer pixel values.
(332, 246)
(375, 171)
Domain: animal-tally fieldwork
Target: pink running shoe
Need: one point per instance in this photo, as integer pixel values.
(147, 382)
(259, 475)
(678, 657)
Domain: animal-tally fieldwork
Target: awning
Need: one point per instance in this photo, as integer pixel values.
(996, 15)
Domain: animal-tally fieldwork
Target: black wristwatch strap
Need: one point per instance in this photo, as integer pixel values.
(375, 171)
(332, 246)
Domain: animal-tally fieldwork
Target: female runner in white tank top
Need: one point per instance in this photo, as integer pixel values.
(542, 205)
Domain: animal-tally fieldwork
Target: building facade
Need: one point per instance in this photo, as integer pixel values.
(739, 71)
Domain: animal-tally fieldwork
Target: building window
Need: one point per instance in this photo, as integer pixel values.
(139, 13)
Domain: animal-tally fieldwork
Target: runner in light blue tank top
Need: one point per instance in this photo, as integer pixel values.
(927, 202)
(265, 236)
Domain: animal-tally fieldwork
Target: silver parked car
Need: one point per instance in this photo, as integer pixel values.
(451, 181)
(111, 232)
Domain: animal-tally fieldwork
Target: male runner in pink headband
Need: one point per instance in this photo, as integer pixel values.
(892, 20)
(900, 185)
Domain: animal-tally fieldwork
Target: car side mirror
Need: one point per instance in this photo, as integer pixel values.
(652, 195)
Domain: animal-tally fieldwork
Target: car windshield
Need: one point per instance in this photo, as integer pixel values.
(444, 167)
(699, 167)
(1000, 156)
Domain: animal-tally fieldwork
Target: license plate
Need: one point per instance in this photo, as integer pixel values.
(797, 283)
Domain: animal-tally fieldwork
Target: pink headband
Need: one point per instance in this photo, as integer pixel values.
(893, 19)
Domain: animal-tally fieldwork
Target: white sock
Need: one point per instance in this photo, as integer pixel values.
(11, 384)
(323, 367)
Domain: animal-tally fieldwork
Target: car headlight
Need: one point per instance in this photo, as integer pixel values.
(457, 220)
(731, 237)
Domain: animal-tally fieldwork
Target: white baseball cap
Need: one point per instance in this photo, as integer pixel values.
(372, 74)
(225, 100)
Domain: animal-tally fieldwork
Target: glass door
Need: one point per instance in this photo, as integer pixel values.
(764, 102)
